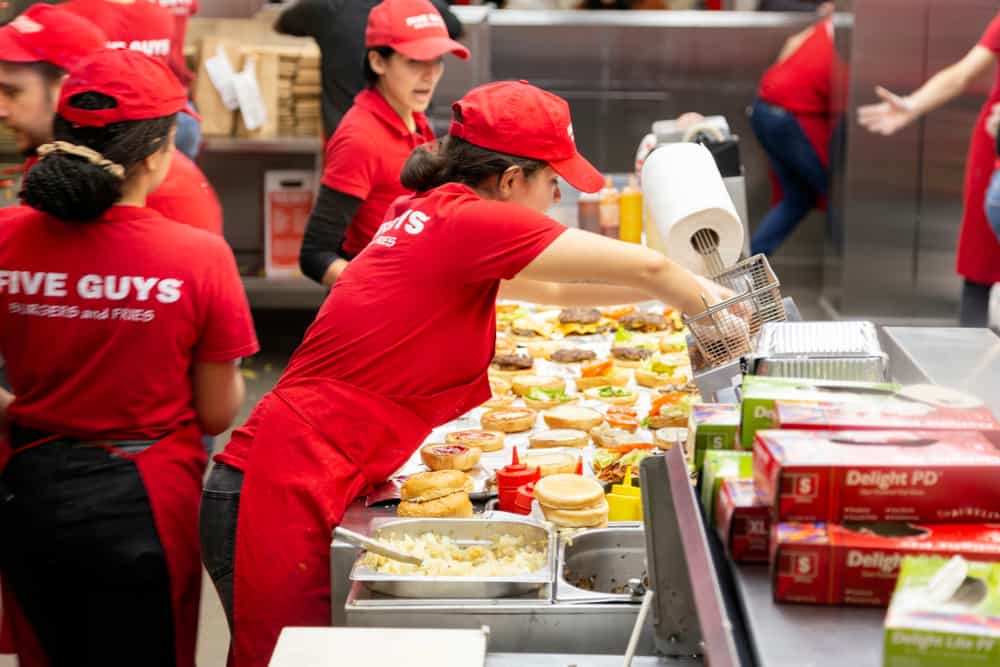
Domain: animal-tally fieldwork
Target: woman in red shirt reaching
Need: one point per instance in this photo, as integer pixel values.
(403, 342)
(406, 42)
(978, 247)
(120, 329)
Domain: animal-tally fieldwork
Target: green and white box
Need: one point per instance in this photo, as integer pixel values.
(713, 426)
(720, 465)
(760, 393)
(944, 613)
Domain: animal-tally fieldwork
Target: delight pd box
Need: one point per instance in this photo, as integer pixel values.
(839, 476)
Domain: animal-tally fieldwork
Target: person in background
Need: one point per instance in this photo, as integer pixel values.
(157, 28)
(122, 333)
(406, 42)
(36, 49)
(978, 248)
(793, 119)
(992, 203)
(338, 27)
(188, 139)
(403, 342)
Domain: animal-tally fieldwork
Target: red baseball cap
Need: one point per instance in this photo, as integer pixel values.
(411, 27)
(143, 87)
(517, 118)
(50, 34)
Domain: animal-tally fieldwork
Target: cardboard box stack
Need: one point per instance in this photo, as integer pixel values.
(300, 112)
(858, 477)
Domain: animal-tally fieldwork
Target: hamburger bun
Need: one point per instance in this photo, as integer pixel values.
(427, 486)
(504, 345)
(590, 517)
(559, 438)
(551, 463)
(618, 377)
(508, 420)
(496, 402)
(569, 492)
(650, 379)
(630, 399)
(543, 349)
(495, 372)
(536, 404)
(499, 386)
(452, 506)
(656, 422)
(522, 385)
(573, 417)
(486, 441)
(449, 457)
(666, 438)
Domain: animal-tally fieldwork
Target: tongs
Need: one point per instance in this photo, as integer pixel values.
(375, 546)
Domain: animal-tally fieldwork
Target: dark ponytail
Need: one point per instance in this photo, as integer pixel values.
(72, 187)
(454, 160)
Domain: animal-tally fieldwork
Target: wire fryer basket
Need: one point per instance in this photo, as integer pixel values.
(729, 330)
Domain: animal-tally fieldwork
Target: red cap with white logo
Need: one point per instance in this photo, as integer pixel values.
(49, 34)
(141, 86)
(413, 28)
(517, 118)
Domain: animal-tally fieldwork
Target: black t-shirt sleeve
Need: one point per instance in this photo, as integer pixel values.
(306, 17)
(455, 28)
(325, 232)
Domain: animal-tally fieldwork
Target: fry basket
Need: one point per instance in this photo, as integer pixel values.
(729, 330)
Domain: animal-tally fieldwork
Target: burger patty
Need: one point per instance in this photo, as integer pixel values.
(513, 362)
(579, 316)
(630, 353)
(573, 355)
(644, 322)
(524, 333)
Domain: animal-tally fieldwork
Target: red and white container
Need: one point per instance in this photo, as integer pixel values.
(929, 476)
(743, 521)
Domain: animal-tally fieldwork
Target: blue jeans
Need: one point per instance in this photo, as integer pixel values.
(801, 174)
(188, 139)
(992, 203)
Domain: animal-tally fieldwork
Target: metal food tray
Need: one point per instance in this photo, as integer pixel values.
(488, 527)
(820, 350)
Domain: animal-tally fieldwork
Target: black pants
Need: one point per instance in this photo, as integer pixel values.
(975, 309)
(220, 508)
(80, 550)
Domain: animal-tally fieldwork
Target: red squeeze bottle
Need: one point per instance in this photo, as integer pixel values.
(509, 479)
(579, 465)
(522, 501)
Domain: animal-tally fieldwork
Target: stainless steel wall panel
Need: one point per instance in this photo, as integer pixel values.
(882, 175)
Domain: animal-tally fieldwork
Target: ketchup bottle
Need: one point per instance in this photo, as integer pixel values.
(509, 479)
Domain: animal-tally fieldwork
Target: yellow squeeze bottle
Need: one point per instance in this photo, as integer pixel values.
(630, 216)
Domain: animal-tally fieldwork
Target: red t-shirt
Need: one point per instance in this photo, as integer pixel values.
(141, 25)
(100, 322)
(186, 196)
(181, 10)
(414, 314)
(364, 158)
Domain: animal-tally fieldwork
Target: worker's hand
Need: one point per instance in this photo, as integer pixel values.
(689, 119)
(993, 121)
(713, 292)
(826, 9)
(887, 117)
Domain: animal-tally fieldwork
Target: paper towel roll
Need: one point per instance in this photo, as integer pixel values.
(683, 193)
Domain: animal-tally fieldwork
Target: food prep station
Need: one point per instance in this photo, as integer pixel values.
(705, 608)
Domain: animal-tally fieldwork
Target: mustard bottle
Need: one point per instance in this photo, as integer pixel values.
(630, 213)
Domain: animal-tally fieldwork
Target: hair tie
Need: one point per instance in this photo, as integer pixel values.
(88, 154)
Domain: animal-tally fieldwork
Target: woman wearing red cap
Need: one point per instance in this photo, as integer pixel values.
(120, 329)
(406, 40)
(403, 342)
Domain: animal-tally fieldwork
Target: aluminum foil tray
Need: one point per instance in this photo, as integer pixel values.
(820, 350)
(418, 586)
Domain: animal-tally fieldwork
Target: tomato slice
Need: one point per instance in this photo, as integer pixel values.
(665, 399)
(622, 410)
(628, 447)
(596, 369)
(619, 312)
(624, 422)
